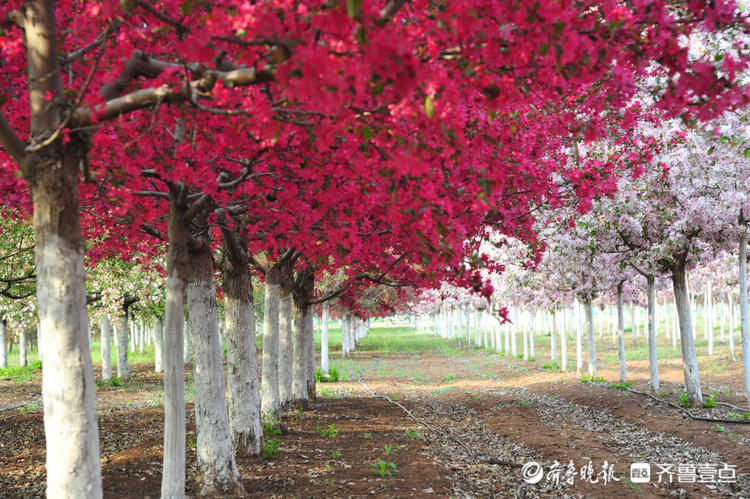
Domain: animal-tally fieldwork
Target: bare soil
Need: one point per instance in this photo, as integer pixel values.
(472, 423)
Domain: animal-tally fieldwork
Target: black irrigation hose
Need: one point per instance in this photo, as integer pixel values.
(686, 412)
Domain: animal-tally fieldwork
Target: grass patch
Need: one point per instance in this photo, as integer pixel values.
(444, 390)
(333, 376)
(20, 374)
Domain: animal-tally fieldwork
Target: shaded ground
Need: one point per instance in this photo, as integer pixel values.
(477, 418)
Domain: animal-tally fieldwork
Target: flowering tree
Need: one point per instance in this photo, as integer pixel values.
(349, 80)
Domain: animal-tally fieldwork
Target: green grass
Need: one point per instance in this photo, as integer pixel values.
(19, 374)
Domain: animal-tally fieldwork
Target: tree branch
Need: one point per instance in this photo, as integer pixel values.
(153, 194)
(10, 141)
(390, 10)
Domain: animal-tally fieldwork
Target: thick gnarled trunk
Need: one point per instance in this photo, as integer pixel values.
(216, 463)
(242, 357)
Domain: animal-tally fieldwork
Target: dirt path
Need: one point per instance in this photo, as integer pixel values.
(481, 418)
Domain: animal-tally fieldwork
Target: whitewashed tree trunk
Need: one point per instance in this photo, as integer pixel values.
(563, 346)
(324, 361)
(270, 402)
(345, 335)
(722, 319)
(553, 338)
(299, 366)
(52, 173)
(513, 331)
(123, 370)
(285, 339)
(23, 358)
(532, 332)
(158, 345)
(106, 345)
(592, 344)
(732, 350)
(173, 475)
(506, 338)
(744, 313)
(652, 360)
(242, 360)
(3, 344)
(285, 349)
(633, 324)
(621, 334)
(309, 339)
(141, 336)
(525, 341)
(689, 359)
(579, 338)
(709, 318)
(532, 352)
(188, 339)
(216, 463)
(675, 323)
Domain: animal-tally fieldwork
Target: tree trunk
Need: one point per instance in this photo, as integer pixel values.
(563, 346)
(242, 357)
(579, 339)
(216, 463)
(123, 370)
(178, 262)
(525, 340)
(68, 389)
(106, 345)
(270, 402)
(621, 334)
(303, 369)
(173, 475)
(553, 338)
(324, 362)
(285, 335)
(141, 328)
(689, 360)
(709, 318)
(592, 345)
(23, 359)
(299, 379)
(3, 346)
(310, 349)
(188, 337)
(744, 314)
(652, 360)
(158, 345)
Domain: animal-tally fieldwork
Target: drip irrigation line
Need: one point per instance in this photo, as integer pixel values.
(686, 412)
